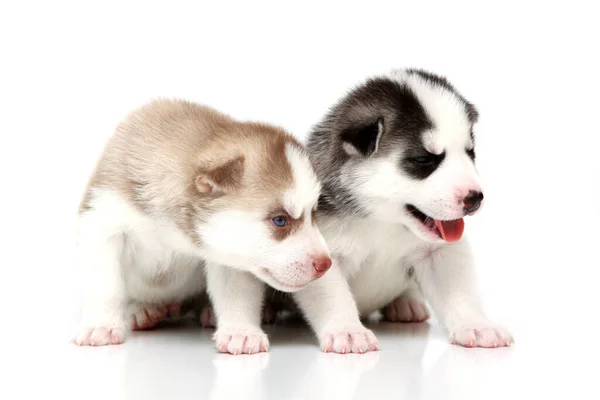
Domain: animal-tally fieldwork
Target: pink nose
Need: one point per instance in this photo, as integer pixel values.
(322, 264)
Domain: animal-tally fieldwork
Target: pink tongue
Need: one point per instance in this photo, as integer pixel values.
(451, 230)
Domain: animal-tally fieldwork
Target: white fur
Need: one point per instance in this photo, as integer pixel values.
(139, 265)
(237, 300)
(372, 259)
(441, 197)
(372, 256)
(120, 250)
(244, 228)
(287, 265)
(303, 196)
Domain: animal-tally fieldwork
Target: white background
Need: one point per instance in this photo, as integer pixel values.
(69, 71)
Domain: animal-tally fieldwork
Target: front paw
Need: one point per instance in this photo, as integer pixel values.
(481, 335)
(357, 339)
(100, 336)
(241, 340)
(148, 317)
(207, 317)
(406, 308)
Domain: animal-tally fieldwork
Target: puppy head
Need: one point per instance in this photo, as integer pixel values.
(405, 147)
(262, 211)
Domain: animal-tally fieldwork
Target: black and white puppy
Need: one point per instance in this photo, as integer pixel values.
(397, 163)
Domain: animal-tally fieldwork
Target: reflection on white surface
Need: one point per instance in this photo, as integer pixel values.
(467, 373)
(415, 362)
(332, 376)
(239, 377)
(181, 362)
(296, 369)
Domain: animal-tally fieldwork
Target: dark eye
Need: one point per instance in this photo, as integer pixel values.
(423, 159)
(280, 221)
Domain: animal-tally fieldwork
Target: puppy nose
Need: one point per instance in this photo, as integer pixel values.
(472, 201)
(322, 264)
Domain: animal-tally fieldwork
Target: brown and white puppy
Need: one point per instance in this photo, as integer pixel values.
(183, 198)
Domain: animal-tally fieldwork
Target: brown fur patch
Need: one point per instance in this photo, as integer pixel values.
(156, 153)
(226, 177)
(280, 233)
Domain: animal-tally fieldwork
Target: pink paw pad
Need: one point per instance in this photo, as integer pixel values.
(207, 317)
(148, 317)
(241, 343)
(100, 336)
(488, 337)
(350, 342)
(406, 309)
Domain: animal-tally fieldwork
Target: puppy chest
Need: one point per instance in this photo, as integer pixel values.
(374, 244)
(379, 281)
(167, 279)
(154, 268)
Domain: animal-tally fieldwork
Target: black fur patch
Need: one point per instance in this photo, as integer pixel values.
(363, 137)
(419, 169)
(470, 109)
(354, 120)
(471, 154)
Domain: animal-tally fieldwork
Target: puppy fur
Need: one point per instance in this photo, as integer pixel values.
(184, 199)
(395, 157)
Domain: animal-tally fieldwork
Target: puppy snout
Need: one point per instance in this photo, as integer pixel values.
(472, 201)
(321, 264)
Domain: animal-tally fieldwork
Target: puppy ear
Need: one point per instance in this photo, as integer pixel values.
(363, 139)
(472, 113)
(222, 179)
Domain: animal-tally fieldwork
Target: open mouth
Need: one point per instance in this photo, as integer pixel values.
(449, 230)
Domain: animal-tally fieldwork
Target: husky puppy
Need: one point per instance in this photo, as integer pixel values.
(183, 198)
(396, 159)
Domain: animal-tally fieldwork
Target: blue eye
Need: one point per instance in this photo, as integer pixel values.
(280, 221)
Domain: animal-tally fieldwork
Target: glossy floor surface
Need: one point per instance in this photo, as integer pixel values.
(415, 362)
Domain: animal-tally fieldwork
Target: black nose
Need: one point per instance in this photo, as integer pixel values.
(473, 201)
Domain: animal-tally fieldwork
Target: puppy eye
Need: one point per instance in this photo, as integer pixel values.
(280, 221)
(423, 159)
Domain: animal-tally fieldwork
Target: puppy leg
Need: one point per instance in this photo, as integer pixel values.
(237, 300)
(148, 316)
(329, 307)
(200, 308)
(274, 303)
(207, 315)
(104, 306)
(447, 278)
(408, 307)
